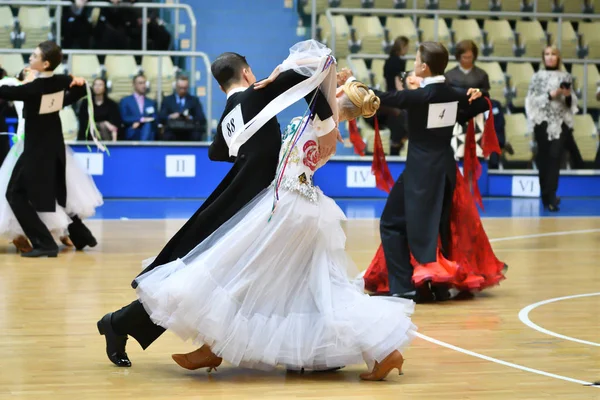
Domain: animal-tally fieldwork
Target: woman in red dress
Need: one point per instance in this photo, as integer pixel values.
(469, 264)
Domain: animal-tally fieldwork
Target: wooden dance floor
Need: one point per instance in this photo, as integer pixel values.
(490, 347)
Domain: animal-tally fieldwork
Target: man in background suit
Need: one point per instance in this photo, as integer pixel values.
(138, 112)
(182, 115)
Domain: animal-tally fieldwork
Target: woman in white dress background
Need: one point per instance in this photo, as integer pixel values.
(83, 196)
(271, 286)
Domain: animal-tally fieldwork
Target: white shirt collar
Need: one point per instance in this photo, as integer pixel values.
(465, 71)
(433, 79)
(234, 91)
(45, 74)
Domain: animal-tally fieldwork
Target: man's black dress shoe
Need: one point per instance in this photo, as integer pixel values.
(41, 253)
(115, 344)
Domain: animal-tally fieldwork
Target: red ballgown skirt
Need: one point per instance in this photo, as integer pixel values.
(471, 264)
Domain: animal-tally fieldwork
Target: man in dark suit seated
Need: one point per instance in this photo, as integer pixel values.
(182, 115)
(138, 112)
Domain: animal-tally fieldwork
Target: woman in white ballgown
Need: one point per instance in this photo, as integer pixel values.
(271, 286)
(83, 196)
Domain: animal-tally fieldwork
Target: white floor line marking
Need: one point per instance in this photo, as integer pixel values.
(524, 317)
(501, 362)
(506, 363)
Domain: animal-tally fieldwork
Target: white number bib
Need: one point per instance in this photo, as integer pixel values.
(52, 103)
(442, 115)
(233, 124)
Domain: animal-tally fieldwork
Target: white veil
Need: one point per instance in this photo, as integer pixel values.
(309, 58)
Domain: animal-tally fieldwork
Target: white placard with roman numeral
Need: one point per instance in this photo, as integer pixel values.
(442, 115)
(52, 103)
(92, 163)
(232, 124)
(360, 177)
(525, 186)
(180, 166)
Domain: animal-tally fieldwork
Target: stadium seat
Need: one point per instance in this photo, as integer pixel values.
(497, 80)
(168, 74)
(568, 43)
(86, 66)
(7, 24)
(467, 29)
(69, 122)
(518, 137)
(532, 38)
(519, 77)
(577, 70)
(377, 72)
(120, 71)
(369, 33)
(342, 32)
(500, 37)
(403, 27)
(12, 63)
(427, 28)
(35, 22)
(591, 38)
(586, 136)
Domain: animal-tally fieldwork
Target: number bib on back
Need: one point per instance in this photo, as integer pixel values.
(233, 124)
(442, 115)
(52, 103)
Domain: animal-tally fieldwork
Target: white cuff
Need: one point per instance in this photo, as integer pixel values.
(323, 127)
(351, 79)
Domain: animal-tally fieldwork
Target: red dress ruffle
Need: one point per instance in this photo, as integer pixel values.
(472, 264)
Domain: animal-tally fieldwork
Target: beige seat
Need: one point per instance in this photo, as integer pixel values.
(467, 29)
(70, 123)
(500, 37)
(497, 80)
(591, 37)
(368, 135)
(361, 72)
(572, 6)
(7, 24)
(12, 63)
(351, 3)
(518, 137)
(168, 74)
(586, 136)
(519, 76)
(546, 6)
(369, 33)
(35, 22)
(478, 5)
(85, 65)
(511, 5)
(61, 70)
(120, 71)
(403, 27)
(342, 34)
(532, 37)
(451, 65)
(377, 73)
(322, 5)
(568, 43)
(384, 4)
(577, 71)
(427, 28)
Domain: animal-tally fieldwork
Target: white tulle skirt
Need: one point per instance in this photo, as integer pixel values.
(83, 196)
(263, 294)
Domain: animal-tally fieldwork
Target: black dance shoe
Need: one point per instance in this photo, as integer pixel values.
(41, 253)
(115, 344)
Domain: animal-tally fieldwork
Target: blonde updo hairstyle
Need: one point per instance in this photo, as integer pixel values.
(358, 100)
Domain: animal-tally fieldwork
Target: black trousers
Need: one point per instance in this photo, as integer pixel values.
(548, 158)
(4, 147)
(394, 238)
(133, 320)
(16, 194)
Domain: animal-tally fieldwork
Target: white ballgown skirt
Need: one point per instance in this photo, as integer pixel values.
(83, 196)
(263, 294)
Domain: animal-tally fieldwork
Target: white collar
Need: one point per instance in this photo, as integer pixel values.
(44, 74)
(234, 91)
(465, 71)
(433, 79)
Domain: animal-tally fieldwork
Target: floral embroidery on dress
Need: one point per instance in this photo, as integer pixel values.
(311, 154)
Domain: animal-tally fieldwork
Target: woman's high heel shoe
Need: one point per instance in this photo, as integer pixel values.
(200, 358)
(381, 370)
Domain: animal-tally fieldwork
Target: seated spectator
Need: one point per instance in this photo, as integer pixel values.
(182, 115)
(395, 64)
(138, 113)
(76, 29)
(466, 74)
(106, 113)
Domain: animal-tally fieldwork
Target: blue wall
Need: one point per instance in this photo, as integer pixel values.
(261, 30)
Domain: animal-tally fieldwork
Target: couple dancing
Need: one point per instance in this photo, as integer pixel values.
(258, 275)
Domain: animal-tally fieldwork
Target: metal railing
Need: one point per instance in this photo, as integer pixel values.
(436, 14)
(585, 62)
(143, 6)
(158, 54)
